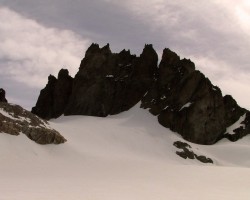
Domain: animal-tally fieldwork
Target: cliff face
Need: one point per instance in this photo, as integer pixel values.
(188, 103)
(109, 83)
(55, 96)
(182, 98)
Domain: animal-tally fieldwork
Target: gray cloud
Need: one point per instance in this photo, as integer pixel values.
(99, 20)
(19, 93)
(214, 34)
(30, 52)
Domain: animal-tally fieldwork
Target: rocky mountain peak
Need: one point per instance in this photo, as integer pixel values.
(181, 97)
(148, 47)
(92, 49)
(55, 96)
(63, 73)
(169, 58)
(51, 79)
(106, 49)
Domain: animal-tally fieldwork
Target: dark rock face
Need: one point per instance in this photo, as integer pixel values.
(2, 95)
(15, 120)
(109, 83)
(106, 84)
(181, 97)
(186, 101)
(232, 110)
(186, 152)
(55, 96)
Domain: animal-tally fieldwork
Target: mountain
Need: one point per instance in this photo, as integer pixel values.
(180, 96)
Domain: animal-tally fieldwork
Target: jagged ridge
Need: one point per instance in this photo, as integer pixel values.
(107, 83)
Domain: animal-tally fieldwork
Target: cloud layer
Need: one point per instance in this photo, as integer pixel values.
(29, 52)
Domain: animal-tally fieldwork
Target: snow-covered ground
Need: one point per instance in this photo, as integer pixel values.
(124, 157)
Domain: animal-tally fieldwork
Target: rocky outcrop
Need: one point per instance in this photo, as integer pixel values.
(188, 103)
(2, 95)
(109, 83)
(15, 120)
(106, 83)
(181, 97)
(187, 152)
(239, 129)
(55, 96)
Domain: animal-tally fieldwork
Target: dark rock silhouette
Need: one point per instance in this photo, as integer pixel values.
(109, 83)
(182, 98)
(186, 101)
(54, 97)
(186, 152)
(2, 95)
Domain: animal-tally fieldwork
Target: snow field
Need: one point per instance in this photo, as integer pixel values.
(123, 157)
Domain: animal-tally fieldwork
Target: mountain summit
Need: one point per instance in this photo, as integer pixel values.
(182, 98)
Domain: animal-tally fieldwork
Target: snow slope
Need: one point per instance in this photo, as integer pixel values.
(123, 157)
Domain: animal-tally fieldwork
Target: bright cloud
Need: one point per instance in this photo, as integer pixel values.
(29, 52)
(244, 17)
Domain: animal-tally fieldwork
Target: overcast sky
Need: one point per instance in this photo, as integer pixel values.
(39, 37)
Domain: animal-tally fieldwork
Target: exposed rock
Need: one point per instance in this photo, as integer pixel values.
(15, 120)
(55, 96)
(181, 145)
(188, 103)
(63, 89)
(106, 83)
(182, 98)
(188, 153)
(109, 83)
(239, 132)
(2, 95)
(204, 159)
(232, 110)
